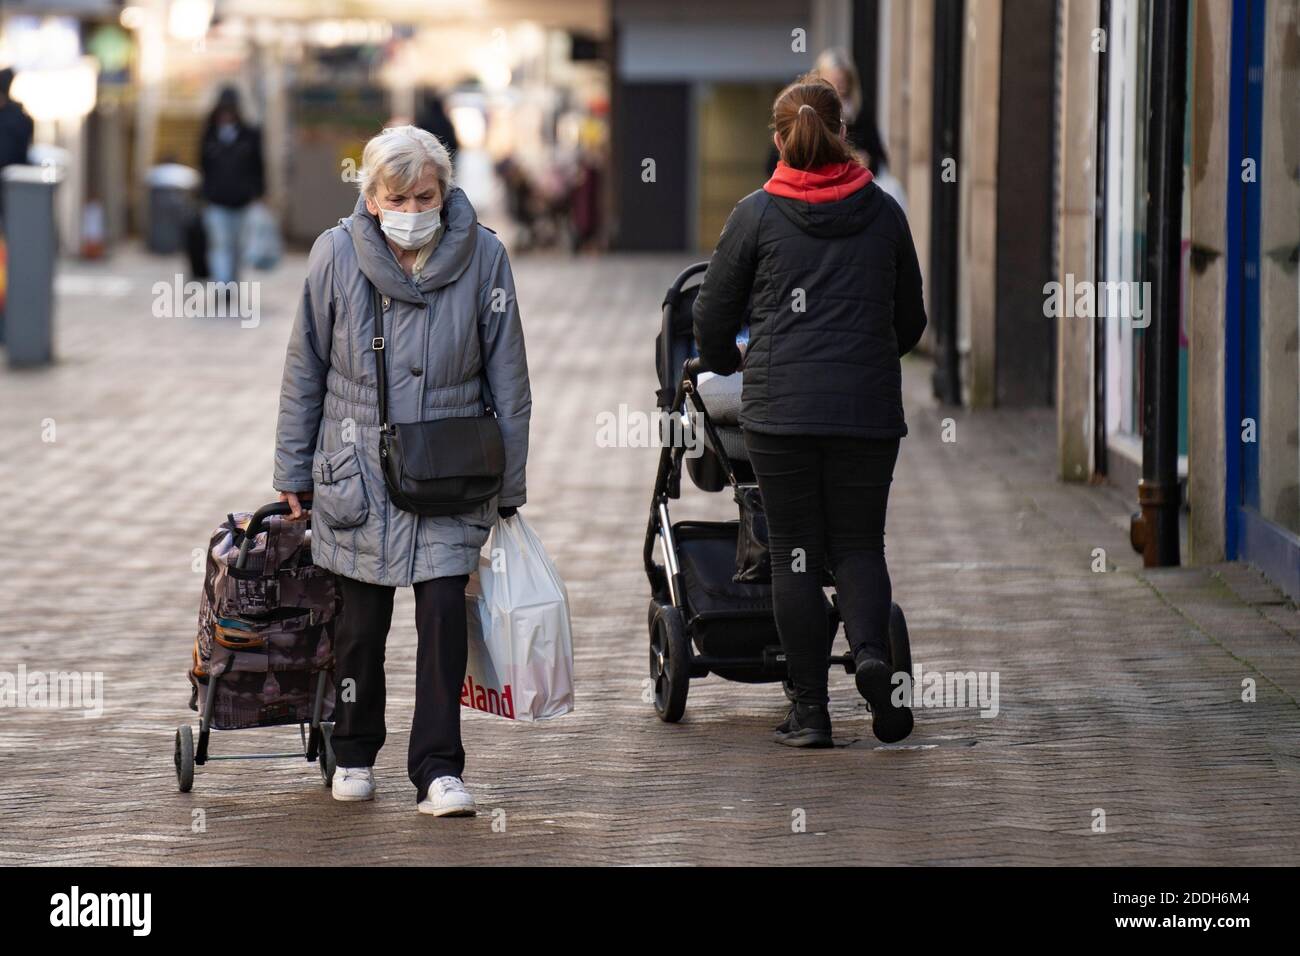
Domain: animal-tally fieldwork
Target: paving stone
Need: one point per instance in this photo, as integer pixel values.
(1119, 690)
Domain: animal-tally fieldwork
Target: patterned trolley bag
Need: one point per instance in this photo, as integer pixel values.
(266, 626)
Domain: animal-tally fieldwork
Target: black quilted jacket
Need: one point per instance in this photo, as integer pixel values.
(835, 294)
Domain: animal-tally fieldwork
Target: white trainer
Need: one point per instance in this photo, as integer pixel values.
(447, 797)
(353, 783)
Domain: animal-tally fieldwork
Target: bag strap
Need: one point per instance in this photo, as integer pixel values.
(377, 345)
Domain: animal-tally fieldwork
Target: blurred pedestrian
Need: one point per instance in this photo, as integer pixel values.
(450, 341)
(863, 133)
(860, 130)
(521, 201)
(15, 129)
(433, 119)
(233, 178)
(825, 260)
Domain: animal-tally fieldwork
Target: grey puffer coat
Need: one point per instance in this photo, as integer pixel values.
(446, 330)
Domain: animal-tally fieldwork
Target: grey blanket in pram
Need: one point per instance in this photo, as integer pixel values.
(721, 395)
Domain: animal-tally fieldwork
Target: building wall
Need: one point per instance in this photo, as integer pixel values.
(978, 183)
(733, 145)
(1206, 464)
(907, 123)
(652, 124)
(1076, 233)
(727, 59)
(1024, 345)
(1279, 295)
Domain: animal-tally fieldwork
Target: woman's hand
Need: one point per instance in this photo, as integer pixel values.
(295, 502)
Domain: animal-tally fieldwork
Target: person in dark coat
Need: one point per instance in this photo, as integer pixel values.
(15, 129)
(825, 261)
(433, 119)
(233, 178)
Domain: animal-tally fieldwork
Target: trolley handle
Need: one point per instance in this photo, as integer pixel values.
(255, 525)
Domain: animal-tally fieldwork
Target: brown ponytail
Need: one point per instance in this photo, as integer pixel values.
(807, 115)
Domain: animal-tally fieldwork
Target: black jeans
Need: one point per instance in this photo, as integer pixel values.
(359, 638)
(825, 499)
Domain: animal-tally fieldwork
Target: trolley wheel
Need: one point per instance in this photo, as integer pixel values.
(670, 664)
(184, 758)
(326, 757)
(900, 646)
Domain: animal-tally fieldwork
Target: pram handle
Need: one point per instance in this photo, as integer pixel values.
(255, 524)
(675, 290)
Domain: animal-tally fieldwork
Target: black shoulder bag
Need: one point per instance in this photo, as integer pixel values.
(444, 467)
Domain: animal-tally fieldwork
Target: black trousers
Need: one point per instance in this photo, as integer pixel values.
(359, 638)
(825, 499)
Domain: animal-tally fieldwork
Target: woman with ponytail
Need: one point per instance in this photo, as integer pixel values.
(823, 261)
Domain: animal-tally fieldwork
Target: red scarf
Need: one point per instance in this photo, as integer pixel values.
(828, 183)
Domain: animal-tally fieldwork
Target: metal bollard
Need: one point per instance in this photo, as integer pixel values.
(32, 247)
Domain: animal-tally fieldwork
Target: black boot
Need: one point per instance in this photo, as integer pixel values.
(807, 725)
(874, 677)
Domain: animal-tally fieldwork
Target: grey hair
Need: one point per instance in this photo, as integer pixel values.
(399, 156)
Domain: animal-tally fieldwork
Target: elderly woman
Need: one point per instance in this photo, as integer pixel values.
(451, 347)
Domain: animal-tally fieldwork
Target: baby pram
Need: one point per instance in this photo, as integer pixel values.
(264, 654)
(711, 598)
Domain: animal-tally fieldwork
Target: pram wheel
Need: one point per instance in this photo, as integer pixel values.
(900, 646)
(669, 662)
(326, 757)
(184, 758)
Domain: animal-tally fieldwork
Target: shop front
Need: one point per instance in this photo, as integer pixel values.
(1262, 309)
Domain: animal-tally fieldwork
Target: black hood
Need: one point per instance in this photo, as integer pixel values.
(844, 217)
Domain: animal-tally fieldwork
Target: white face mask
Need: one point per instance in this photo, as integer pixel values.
(411, 230)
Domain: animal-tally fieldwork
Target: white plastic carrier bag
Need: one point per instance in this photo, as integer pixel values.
(261, 237)
(520, 638)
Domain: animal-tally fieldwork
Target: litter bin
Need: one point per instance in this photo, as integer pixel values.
(172, 205)
(32, 243)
